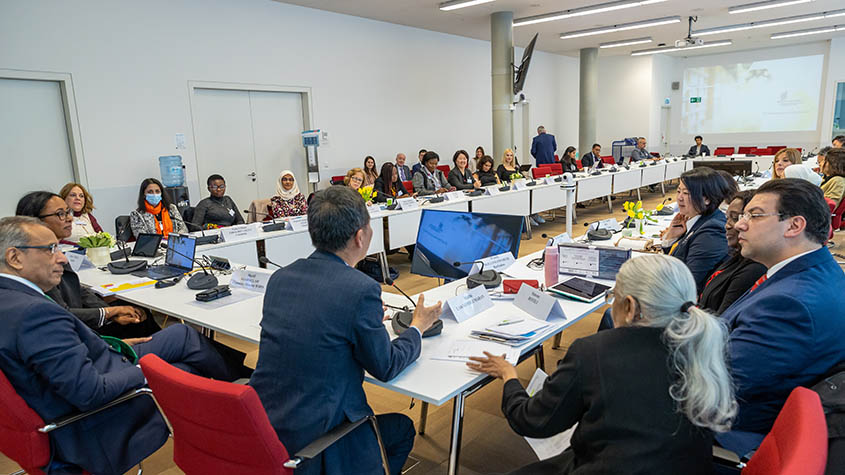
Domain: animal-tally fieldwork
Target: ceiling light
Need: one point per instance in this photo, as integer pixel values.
(769, 23)
(455, 4)
(589, 10)
(813, 31)
(616, 44)
(621, 27)
(669, 49)
(753, 7)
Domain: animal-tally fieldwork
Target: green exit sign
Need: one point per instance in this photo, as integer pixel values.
(693, 100)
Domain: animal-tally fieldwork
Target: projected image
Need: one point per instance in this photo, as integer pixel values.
(776, 95)
(446, 237)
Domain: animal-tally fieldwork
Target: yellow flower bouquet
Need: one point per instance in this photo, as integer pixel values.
(638, 216)
(367, 193)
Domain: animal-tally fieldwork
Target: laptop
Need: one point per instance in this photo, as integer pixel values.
(178, 260)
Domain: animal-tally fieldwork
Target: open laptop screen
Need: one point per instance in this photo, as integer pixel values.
(184, 247)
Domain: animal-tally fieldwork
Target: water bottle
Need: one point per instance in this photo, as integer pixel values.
(550, 265)
(172, 173)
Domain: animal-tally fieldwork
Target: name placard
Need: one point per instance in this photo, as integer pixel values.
(78, 261)
(455, 195)
(239, 232)
(520, 184)
(467, 305)
(375, 211)
(408, 203)
(250, 280)
(550, 180)
(498, 263)
(538, 304)
(560, 239)
(298, 223)
(492, 190)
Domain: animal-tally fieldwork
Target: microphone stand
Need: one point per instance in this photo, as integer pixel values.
(126, 266)
(203, 281)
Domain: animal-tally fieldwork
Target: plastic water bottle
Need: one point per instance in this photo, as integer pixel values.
(172, 173)
(550, 265)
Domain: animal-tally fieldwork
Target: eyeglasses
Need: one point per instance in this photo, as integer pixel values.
(218, 187)
(355, 178)
(609, 298)
(749, 216)
(61, 214)
(51, 247)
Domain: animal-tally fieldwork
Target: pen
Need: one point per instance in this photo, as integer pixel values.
(508, 322)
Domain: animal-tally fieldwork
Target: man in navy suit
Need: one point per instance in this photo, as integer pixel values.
(322, 328)
(418, 166)
(699, 149)
(59, 366)
(787, 330)
(543, 146)
(593, 158)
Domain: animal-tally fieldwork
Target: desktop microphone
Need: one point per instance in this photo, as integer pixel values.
(120, 267)
(272, 225)
(488, 278)
(597, 234)
(203, 281)
(202, 239)
(665, 211)
(403, 318)
(266, 261)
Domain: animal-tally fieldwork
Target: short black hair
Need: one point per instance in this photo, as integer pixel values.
(744, 196)
(165, 200)
(799, 197)
(33, 202)
(458, 153)
(422, 150)
(698, 137)
(705, 183)
(731, 186)
(214, 177)
(430, 155)
(824, 150)
(839, 138)
(595, 145)
(334, 216)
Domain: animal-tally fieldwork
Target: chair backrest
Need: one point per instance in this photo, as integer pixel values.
(797, 442)
(836, 215)
(122, 231)
(746, 150)
(19, 436)
(187, 213)
(773, 149)
(540, 172)
(444, 168)
(724, 151)
(409, 185)
(578, 163)
(257, 210)
(557, 168)
(218, 427)
(608, 159)
(338, 179)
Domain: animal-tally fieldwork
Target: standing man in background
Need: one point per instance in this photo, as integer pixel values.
(543, 147)
(402, 169)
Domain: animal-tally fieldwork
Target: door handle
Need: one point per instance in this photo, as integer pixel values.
(251, 175)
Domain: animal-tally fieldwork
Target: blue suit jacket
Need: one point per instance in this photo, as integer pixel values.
(59, 366)
(322, 327)
(703, 247)
(704, 151)
(588, 159)
(543, 148)
(788, 332)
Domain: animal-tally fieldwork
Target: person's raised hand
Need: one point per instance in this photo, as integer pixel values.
(424, 317)
(677, 228)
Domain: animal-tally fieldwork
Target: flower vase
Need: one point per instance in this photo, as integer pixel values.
(99, 256)
(640, 226)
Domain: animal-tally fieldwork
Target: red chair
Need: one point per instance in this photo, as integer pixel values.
(557, 159)
(608, 159)
(444, 169)
(557, 168)
(540, 172)
(409, 185)
(578, 164)
(336, 180)
(724, 151)
(797, 442)
(23, 433)
(773, 149)
(836, 214)
(221, 427)
(746, 150)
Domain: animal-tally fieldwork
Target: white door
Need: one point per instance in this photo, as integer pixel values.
(277, 126)
(33, 140)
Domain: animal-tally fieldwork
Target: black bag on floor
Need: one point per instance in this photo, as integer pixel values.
(373, 269)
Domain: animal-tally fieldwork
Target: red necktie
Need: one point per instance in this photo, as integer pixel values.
(759, 281)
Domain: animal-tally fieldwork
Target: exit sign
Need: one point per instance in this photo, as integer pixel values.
(693, 100)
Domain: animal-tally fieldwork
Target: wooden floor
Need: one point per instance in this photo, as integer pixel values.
(489, 445)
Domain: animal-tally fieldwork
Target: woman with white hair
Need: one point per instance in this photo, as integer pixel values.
(288, 200)
(646, 395)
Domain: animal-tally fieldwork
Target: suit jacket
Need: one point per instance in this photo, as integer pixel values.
(543, 148)
(589, 159)
(461, 182)
(637, 155)
(59, 366)
(77, 299)
(415, 169)
(408, 175)
(424, 185)
(734, 276)
(703, 246)
(314, 351)
(627, 421)
(704, 151)
(384, 194)
(786, 333)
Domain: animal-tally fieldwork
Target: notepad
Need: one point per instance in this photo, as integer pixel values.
(461, 350)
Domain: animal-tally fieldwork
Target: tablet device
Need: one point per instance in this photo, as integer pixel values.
(146, 245)
(580, 289)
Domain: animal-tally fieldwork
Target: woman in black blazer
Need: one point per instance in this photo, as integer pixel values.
(459, 176)
(388, 185)
(647, 406)
(485, 173)
(735, 274)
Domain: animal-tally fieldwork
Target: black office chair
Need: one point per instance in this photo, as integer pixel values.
(123, 232)
(187, 213)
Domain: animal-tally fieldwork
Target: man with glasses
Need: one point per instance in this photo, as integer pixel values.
(60, 367)
(787, 330)
(218, 209)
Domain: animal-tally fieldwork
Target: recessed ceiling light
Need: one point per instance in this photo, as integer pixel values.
(812, 31)
(753, 7)
(621, 27)
(588, 10)
(769, 23)
(616, 44)
(455, 4)
(673, 48)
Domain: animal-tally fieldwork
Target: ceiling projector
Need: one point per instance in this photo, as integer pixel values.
(683, 43)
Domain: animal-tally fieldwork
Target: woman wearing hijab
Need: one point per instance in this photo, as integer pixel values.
(288, 200)
(155, 213)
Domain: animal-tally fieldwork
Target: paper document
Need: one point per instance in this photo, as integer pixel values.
(109, 289)
(554, 445)
(524, 328)
(461, 350)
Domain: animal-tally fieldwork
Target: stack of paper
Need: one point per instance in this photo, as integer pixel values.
(512, 332)
(461, 350)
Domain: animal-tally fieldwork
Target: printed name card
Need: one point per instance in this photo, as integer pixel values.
(408, 203)
(374, 210)
(550, 180)
(560, 239)
(239, 232)
(492, 190)
(497, 263)
(298, 223)
(538, 304)
(78, 261)
(467, 305)
(250, 280)
(454, 195)
(610, 224)
(520, 184)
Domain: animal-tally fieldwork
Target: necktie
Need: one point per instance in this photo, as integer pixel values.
(759, 281)
(674, 246)
(401, 173)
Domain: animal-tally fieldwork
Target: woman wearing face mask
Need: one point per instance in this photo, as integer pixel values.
(784, 158)
(155, 213)
(735, 274)
(288, 200)
(79, 201)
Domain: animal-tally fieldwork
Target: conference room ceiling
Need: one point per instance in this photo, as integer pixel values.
(474, 22)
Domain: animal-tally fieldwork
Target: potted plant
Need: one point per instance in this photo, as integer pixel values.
(97, 247)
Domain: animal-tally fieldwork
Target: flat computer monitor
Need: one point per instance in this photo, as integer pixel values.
(185, 247)
(446, 237)
(146, 245)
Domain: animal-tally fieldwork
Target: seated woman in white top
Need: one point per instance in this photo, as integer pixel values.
(81, 204)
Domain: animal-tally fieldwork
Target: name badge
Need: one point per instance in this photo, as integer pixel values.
(250, 280)
(497, 263)
(239, 232)
(454, 195)
(538, 304)
(298, 223)
(408, 203)
(492, 190)
(231, 212)
(467, 305)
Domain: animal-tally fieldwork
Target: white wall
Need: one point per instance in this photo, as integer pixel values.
(625, 99)
(378, 88)
(835, 73)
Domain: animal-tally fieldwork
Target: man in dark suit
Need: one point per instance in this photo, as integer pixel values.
(698, 149)
(417, 166)
(322, 328)
(403, 170)
(543, 147)
(59, 366)
(593, 158)
(787, 330)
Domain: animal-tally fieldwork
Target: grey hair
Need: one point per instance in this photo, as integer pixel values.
(13, 233)
(334, 216)
(696, 339)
